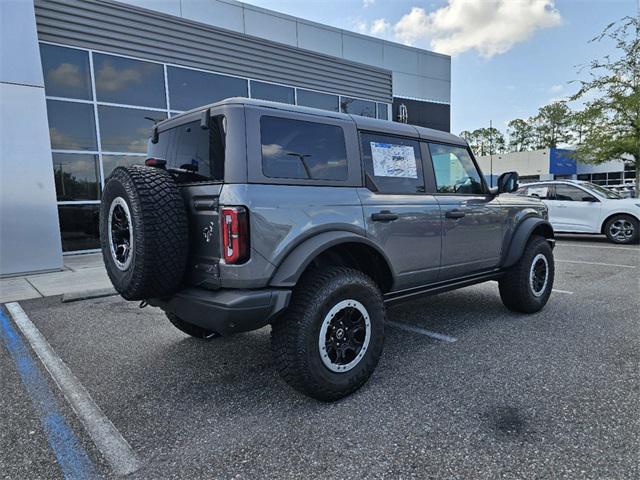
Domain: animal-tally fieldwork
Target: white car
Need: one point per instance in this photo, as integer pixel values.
(583, 207)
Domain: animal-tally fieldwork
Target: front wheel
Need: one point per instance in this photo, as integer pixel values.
(527, 285)
(622, 229)
(329, 341)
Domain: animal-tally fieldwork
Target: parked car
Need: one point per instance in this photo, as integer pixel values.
(583, 207)
(252, 213)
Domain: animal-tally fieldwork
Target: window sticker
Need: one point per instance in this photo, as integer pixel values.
(391, 160)
(540, 192)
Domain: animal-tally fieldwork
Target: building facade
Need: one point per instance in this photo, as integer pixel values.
(98, 74)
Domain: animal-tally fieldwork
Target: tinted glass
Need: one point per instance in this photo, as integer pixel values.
(324, 101)
(110, 162)
(126, 129)
(66, 72)
(189, 88)
(191, 147)
(305, 150)
(394, 164)
(77, 176)
(540, 191)
(79, 227)
(383, 111)
(132, 82)
(454, 169)
(358, 107)
(569, 193)
(71, 125)
(275, 93)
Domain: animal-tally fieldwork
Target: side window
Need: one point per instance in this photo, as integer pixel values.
(302, 150)
(394, 164)
(568, 193)
(543, 192)
(454, 170)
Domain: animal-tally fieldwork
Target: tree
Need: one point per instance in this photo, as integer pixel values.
(552, 125)
(520, 135)
(611, 122)
(485, 141)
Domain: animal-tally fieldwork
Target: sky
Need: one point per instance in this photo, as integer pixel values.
(509, 57)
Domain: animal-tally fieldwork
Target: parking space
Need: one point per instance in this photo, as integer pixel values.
(553, 394)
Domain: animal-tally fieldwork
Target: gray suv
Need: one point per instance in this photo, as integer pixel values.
(250, 213)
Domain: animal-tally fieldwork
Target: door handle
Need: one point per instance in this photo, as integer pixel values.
(454, 214)
(384, 216)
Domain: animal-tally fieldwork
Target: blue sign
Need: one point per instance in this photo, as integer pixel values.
(561, 161)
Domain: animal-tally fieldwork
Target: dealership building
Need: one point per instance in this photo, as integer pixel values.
(82, 82)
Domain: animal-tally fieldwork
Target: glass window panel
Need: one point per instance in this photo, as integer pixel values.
(126, 129)
(66, 72)
(110, 162)
(358, 107)
(71, 125)
(132, 82)
(305, 150)
(395, 164)
(79, 227)
(308, 98)
(190, 88)
(584, 176)
(454, 169)
(275, 93)
(383, 111)
(569, 193)
(77, 176)
(614, 175)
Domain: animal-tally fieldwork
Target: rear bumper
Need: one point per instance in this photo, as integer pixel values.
(226, 311)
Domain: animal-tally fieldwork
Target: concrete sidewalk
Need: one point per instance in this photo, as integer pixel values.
(83, 276)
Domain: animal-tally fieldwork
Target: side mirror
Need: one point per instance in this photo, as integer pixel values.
(508, 182)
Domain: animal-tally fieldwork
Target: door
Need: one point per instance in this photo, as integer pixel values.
(398, 214)
(574, 209)
(472, 219)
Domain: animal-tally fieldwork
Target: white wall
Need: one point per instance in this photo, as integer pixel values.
(525, 163)
(29, 230)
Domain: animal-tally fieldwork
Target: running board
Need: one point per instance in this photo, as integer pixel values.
(400, 296)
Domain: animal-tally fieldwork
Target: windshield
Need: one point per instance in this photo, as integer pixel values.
(601, 191)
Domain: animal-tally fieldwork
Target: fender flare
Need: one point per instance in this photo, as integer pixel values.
(296, 261)
(521, 237)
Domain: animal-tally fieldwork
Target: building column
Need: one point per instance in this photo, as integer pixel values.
(29, 228)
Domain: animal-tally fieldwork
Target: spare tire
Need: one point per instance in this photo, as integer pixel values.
(143, 232)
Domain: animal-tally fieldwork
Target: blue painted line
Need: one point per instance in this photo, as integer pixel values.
(72, 457)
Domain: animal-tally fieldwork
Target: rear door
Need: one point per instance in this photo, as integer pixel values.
(398, 213)
(472, 219)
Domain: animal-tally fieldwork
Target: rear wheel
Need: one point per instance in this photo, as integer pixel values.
(191, 329)
(622, 229)
(527, 285)
(330, 339)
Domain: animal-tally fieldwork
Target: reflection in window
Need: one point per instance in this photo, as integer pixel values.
(132, 82)
(190, 88)
(324, 101)
(358, 107)
(79, 227)
(66, 72)
(305, 150)
(274, 93)
(71, 125)
(454, 169)
(110, 162)
(383, 111)
(76, 176)
(126, 129)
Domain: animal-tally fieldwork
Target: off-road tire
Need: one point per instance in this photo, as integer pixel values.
(191, 329)
(294, 336)
(160, 232)
(516, 290)
(625, 218)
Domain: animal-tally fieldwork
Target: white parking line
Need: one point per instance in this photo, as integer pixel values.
(115, 449)
(567, 244)
(555, 290)
(422, 331)
(596, 263)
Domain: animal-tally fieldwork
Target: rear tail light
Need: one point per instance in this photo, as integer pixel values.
(235, 234)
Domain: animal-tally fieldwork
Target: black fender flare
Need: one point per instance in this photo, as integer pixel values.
(294, 264)
(521, 236)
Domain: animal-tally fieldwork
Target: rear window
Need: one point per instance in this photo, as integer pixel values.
(302, 150)
(191, 147)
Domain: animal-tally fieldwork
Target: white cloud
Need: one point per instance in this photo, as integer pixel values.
(556, 88)
(491, 27)
(360, 26)
(367, 3)
(67, 74)
(380, 27)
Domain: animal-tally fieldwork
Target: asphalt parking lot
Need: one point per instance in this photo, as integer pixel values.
(551, 395)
